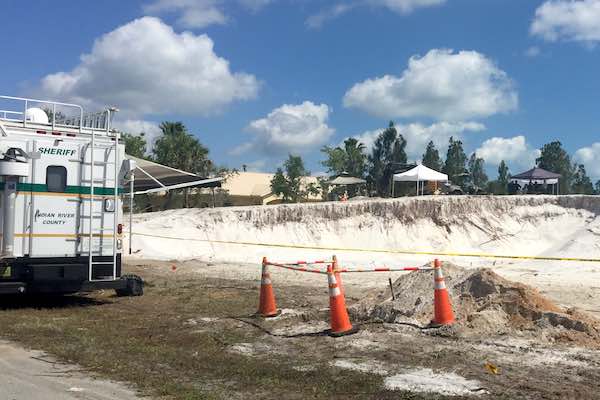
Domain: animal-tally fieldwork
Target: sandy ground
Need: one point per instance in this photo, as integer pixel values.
(33, 375)
(547, 226)
(406, 358)
(194, 334)
(554, 280)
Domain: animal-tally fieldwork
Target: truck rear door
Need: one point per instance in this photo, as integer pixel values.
(56, 197)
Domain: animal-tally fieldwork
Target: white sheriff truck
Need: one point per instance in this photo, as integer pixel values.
(62, 174)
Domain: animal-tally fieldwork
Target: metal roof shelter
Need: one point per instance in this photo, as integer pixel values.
(150, 177)
(346, 179)
(538, 175)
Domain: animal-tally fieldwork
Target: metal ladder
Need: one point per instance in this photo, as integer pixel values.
(100, 232)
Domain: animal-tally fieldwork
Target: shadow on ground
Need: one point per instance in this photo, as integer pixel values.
(41, 302)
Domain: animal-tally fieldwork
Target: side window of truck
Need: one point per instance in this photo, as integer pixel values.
(56, 178)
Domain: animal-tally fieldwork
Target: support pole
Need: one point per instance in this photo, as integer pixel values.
(131, 195)
(8, 230)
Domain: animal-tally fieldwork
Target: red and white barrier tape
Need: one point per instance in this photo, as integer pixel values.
(299, 269)
(294, 267)
(383, 269)
(308, 262)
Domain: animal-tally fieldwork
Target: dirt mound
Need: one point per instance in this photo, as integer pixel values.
(484, 303)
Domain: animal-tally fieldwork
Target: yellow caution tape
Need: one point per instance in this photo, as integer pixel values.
(409, 252)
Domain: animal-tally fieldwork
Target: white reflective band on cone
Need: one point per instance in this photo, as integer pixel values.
(334, 289)
(265, 281)
(438, 278)
(332, 280)
(266, 276)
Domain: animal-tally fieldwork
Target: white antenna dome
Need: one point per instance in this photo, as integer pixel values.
(36, 115)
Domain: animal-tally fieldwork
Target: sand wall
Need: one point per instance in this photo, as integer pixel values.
(532, 225)
(565, 226)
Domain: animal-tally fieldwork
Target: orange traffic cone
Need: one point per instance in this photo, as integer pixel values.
(267, 307)
(443, 314)
(338, 275)
(340, 321)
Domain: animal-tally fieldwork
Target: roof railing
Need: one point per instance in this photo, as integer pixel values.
(60, 115)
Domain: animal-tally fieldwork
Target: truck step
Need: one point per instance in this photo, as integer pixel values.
(12, 287)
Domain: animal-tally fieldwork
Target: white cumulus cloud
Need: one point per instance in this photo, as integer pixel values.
(145, 67)
(418, 136)
(192, 13)
(445, 85)
(293, 128)
(199, 13)
(255, 5)
(590, 157)
(402, 7)
(514, 151)
(405, 6)
(568, 20)
(319, 19)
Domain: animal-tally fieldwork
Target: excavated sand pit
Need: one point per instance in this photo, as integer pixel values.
(485, 305)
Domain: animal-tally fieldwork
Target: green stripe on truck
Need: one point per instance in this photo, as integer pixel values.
(41, 188)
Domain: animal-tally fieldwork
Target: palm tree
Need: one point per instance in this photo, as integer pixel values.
(355, 157)
(177, 148)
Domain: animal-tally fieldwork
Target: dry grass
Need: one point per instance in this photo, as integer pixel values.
(149, 342)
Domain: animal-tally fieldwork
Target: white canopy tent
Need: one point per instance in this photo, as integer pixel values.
(419, 174)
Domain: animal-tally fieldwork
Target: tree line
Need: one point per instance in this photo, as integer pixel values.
(178, 148)
(388, 156)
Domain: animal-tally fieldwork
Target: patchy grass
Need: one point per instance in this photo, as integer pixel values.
(150, 342)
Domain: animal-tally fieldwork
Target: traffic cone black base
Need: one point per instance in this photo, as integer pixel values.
(352, 331)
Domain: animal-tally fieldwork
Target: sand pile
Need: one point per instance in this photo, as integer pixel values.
(484, 303)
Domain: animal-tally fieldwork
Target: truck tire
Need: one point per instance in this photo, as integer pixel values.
(134, 287)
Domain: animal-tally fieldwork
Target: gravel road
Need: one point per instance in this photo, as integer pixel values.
(33, 375)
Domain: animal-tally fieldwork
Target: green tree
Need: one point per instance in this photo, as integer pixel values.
(389, 147)
(477, 171)
(287, 181)
(503, 179)
(456, 159)
(582, 184)
(177, 148)
(597, 186)
(350, 159)
(325, 186)
(555, 159)
(503, 174)
(500, 185)
(135, 145)
(431, 158)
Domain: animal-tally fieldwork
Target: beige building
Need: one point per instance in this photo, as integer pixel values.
(254, 188)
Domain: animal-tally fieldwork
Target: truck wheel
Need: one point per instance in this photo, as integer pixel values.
(135, 286)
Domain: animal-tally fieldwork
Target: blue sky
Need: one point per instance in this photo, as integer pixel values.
(256, 79)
